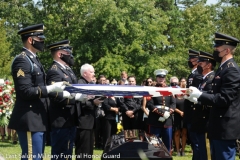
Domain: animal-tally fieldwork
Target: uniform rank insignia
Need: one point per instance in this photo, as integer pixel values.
(54, 67)
(20, 73)
(211, 77)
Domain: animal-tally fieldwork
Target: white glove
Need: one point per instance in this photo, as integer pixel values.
(56, 87)
(194, 92)
(66, 94)
(166, 114)
(161, 119)
(80, 97)
(191, 99)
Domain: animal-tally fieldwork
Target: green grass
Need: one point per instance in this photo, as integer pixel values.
(12, 152)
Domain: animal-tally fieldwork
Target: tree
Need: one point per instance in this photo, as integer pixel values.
(228, 23)
(17, 14)
(5, 50)
(126, 30)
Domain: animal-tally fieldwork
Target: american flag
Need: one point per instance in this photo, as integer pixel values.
(124, 90)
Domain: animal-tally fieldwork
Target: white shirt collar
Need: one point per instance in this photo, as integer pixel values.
(194, 70)
(207, 74)
(30, 52)
(60, 64)
(223, 62)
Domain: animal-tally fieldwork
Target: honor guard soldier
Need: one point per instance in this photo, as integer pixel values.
(224, 99)
(193, 80)
(29, 117)
(63, 107)
(206, 64)
(160, 108)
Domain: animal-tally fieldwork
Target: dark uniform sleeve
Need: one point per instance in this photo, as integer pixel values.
(52, 77)
(23, 80)
(150, 105)
(228, 91)
(197, 79)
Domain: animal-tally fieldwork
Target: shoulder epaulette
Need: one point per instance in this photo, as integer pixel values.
(211, 77)
(230, 64)
(23, 54)
(54, 67)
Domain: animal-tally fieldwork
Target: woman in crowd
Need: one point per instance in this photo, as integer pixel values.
(160, 109)
(148, 82)
(180, 132)
(111, 109)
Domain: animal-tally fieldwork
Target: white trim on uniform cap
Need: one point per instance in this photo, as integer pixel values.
(161, 72)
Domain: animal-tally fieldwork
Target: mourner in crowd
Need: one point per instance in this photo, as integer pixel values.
(86, 117)
(130, 109)
(124, 77)
(98, 132)
(111, 107)
(180, 133)
(223, 100)
(29, 117)
(160, 108)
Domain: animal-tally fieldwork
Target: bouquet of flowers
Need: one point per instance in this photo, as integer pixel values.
(7, 98)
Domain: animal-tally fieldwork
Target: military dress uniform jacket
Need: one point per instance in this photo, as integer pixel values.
(168, 101)
(62, 110)
(194, 79)
(201, 112)
(86, 112)
(30, 109)
(225, 101)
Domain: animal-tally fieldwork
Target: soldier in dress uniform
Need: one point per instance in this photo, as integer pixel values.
(206, 64)
(224, 98)
(63, 115)
(193, 80)
(160, 123)
(29, 117)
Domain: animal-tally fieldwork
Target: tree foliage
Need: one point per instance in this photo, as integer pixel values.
(5, 50)
(114, 35)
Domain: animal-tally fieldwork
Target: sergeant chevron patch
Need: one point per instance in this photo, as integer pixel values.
(20, 73)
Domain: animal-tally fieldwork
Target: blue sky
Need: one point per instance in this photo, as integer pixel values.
(212, 1)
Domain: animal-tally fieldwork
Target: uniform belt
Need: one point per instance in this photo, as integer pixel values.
(163, 107)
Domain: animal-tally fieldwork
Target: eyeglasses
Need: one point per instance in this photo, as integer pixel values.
(149, 81)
